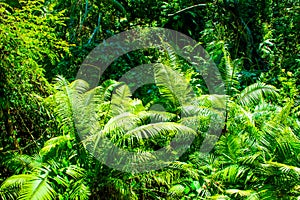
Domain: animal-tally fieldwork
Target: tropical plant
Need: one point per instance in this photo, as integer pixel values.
(29, 48)
(45, 179)
(92, 143)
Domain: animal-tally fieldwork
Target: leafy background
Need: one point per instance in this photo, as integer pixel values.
(255, 45)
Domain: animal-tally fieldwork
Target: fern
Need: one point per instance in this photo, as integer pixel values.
(37, 188)
(172, 86)
(177, 190)
(121, 100)
(54, 143)
(254, 93)
(31, 186)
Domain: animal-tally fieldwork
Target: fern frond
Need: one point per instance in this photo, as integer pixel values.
(250, 194)
(122, 123)
(157, 116)
(177, 190)
(188, 168)
(254, 93)
(283, 167)
(79, 85)
(18, 162)
(74, 171)
(120, 101)
(53, 142)
(80, 191)
(282, 116)
(231, 174)
(151, 130)
(172, 86)
(37, 188)
(16, 181)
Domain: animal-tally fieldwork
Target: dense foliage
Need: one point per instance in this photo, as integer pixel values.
(255, 45)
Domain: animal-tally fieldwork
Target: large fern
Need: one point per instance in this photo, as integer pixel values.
(254, 93)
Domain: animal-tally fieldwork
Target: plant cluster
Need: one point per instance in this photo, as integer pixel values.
(52, 125)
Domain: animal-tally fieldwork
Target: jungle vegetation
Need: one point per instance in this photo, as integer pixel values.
(255, 46)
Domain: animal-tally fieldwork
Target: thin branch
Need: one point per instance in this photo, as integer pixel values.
(185, 9)
(33, 139)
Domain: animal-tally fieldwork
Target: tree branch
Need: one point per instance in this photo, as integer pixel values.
(185, 9)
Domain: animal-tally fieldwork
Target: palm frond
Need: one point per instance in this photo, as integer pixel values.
(37, 188)
(99, 94)
(74, 171)
(250, 194)
(54, 142)
(164, 128)
(64, 104)
(60, 82)
(107, 88)
(231, 174)
(188, 168)
(121, 123)
(19, 162)
(282, 116)
(120, 101)
(31, 186)
(80, 190)
(16, 181)
(243, 114)
(254, 93)
(177, 190)
(79, 85)
(250, 159)
(156, 116)
(277, 138)
(283, 167)
(172, 86)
